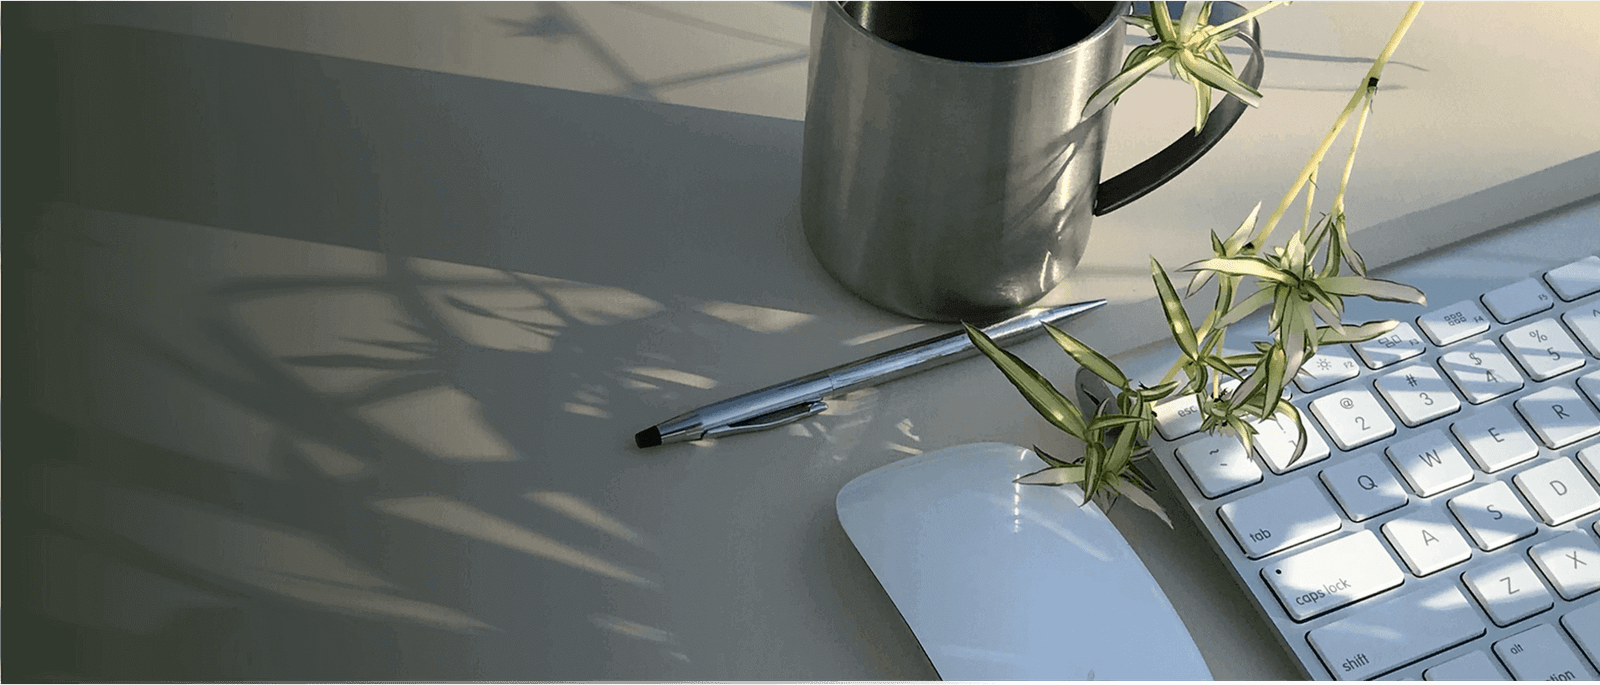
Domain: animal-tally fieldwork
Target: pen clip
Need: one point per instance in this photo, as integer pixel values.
(770, 419)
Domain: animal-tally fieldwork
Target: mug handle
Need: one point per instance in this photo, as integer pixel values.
(1148, 175)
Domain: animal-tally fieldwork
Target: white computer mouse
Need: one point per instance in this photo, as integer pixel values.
(1001, 581)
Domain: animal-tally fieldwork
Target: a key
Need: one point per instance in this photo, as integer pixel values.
(1518, 300)
(1427, 541)
(1393, 347)
(1559, 416)
(1571, 562)
(1585, 323)
(1330, 365)
(1589, 383)
(1417, 394)
(1583, 624)
(1544, 349)
(1275, 443)
(1430, 463)
(1474, 665)
(1493, 516)
(1391, 633)
(1279, 517)
(1352, 417)
(1576, 279)
(1495, 439)
(1557, 491)
(1539, 653)
(1218, 464)
(1481, 371)
(1454, 323)
(1178, 417)
(1319, 580)
(1508, 590)
(1364, 487)
(1590, 458)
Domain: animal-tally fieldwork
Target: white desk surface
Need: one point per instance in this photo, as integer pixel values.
(339, 362)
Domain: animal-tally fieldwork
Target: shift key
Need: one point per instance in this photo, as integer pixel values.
(1380, 638)
(1317, 581)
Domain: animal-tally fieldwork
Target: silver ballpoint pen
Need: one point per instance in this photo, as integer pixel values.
(784, 403)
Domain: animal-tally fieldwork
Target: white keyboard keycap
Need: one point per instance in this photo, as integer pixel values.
(1493, 516)
(1474, 665)
(1317, 581)
(1393, 347)
(1559, 416)
(1589, 383)
(1585, 323)
(1539, 653)
(1275, 444)
(1218, 464)
(1352, 417)
(1544, 349)
(1178, 417)
(1518, 300)
(1557, 491)
(1571, 562)
(1364, 487)
(1430, 463)
(1495, 439)
(1386, 635)
(1280, 517)
(1427, 541)
(1583, 624)
(1481, 371)
(1330, 365)
(1508, 590)
(1576, 279)
(1418, 395)
(1455, 322)
(1590, 458)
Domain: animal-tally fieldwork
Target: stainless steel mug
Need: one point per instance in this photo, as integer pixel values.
(947, 173)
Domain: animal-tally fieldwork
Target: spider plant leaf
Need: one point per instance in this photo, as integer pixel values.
(1288, 410)
(1106, 421)
(1094, 459)
(1157, 393)
(1277, 365)
(1177, 317)
(1221, 366)
(1165, 30)
(1114, 88)
(1142, 22)
(1052, 475)
(1375, 288)
(1050, 459)
(1144, 501)
(1120, 454)
(1327, 315)
(1241, 235)
(1137, 55)
(1189, 21)
(1202, 104)
(1044, 397)
(1216, 76)
(1088, 358)
(1242, 266)
(1355, 334)
(1247, 306)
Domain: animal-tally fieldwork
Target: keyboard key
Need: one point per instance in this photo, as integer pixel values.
(1589, 383)
(1571, 562)
(1474, 665)
(1583, 624)
(1319, 580)
(1590, 458)
(1539, 653)
(1279, 517)
(1393, 347)
(1481, 371)
(1430, 463)
(1557, 491)
(1558, 416)
(1418, 395)
(1576, 279)
(1508, 590)
(1384, 636)
(1218, 464)
(1364, 487)
(1178, 417)
(1275, 444)
(1544, 349)
(1352, 417)
(1495, 439)
(1454, 323)
(1330, 365)
(1585, 323)
(1427, 541)
(1518, 300)
(1493, 516)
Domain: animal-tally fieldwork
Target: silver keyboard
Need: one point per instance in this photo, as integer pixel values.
(1442, 522)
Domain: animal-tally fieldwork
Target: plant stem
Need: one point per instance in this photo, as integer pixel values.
(1219, 28)
(1344, 117)
(1350, 162)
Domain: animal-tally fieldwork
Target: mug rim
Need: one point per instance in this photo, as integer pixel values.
(1119, 9)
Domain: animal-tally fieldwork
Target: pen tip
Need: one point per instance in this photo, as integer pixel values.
(649, 437)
